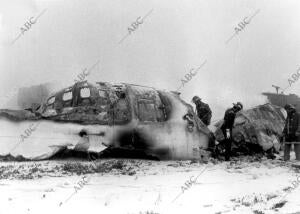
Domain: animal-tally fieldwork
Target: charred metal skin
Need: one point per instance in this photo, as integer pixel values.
(93, 117)
(255, 130)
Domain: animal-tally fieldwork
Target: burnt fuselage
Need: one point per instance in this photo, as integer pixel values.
(93, 117)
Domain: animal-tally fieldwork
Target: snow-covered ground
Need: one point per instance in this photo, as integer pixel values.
(244, 185)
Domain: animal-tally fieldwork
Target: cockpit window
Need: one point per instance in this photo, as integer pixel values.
(102, 94)
(147, 110)
(48, 109)
(121, 111)
(67, 96)
(149, 106)
(84, 97)
(85, 93)
(51, 100)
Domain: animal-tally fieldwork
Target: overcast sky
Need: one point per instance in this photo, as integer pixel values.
(175, 37)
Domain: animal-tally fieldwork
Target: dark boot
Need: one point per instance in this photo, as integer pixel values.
(286, 153)
(297, 151)
(227, 149)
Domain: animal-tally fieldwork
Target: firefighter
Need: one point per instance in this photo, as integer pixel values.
(227, 127)
(203, 110)
(290, 129)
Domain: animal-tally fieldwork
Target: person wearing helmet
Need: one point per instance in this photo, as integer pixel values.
(203, 110)
(290, 130)
(288, 107)
(228, 125)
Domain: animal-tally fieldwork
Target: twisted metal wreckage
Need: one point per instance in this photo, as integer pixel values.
(103, 117)
(256, 129)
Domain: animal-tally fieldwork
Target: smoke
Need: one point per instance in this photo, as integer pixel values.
(176, 37)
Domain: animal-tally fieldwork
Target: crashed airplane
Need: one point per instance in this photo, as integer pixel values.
(258, 129)
(96, 117)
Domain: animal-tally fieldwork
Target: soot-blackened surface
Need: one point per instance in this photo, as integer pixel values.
(126, 153)
(132, 144)
(67, 153)
(134, 139)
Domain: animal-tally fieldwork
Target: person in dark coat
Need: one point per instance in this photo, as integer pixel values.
(203, 111)
(290, 129)
(227, 127)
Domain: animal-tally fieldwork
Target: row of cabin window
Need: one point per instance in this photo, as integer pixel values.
(146, 111)
(84, 98)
